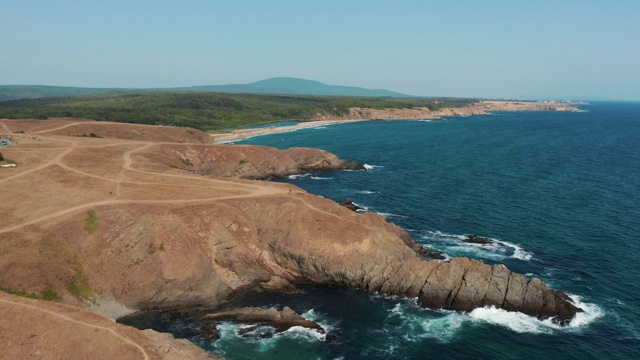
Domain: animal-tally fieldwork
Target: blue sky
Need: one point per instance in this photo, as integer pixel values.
(528, 49)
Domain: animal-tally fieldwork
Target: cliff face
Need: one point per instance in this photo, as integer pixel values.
(146, 257)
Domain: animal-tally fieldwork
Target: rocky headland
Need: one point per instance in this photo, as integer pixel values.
(479, 108)
(118, 224)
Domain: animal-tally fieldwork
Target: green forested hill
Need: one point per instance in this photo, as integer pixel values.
(279, 85)
(13, 92)
(293, 86)
(203, 110)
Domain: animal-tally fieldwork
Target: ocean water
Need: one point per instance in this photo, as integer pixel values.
(559, 193)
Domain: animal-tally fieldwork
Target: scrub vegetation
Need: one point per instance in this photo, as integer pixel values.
(205, 110)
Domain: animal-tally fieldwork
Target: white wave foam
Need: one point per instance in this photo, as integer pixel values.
(230, 331)
(514, 321)
(418, 323)
(367, 192)
(522, 323)
(319, 127)
(321, 178)
(496, 250)
(362, 207)
(298, 176)
(302, 333)
(408, 320)
(371, 167)
(518, 252)
(444, 235)
(388, 215)
(590, 314)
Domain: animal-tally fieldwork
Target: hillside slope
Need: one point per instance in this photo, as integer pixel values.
(280, 85)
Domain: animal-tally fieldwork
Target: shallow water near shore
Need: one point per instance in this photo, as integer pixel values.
(556, 193)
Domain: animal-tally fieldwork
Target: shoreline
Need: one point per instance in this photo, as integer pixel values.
(242, 134)
(485, 107)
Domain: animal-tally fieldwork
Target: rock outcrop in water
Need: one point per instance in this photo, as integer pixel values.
(281, 320)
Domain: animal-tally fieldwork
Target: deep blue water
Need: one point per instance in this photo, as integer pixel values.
(559, 190)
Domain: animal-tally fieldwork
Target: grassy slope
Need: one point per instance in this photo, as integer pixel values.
(203, 110)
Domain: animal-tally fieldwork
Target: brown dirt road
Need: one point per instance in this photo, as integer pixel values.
(105, 190)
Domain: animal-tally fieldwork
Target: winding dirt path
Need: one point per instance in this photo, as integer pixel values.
(246, 190)
(6, 129)
(56, 128)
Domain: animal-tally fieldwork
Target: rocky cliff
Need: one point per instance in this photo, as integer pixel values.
(119, 225)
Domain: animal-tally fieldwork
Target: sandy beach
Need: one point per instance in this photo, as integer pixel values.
(240, 134)
(365, 114)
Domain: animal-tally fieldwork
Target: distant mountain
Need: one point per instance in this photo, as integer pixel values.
(278, 85)
(293, 86)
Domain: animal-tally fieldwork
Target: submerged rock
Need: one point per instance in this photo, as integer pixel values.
(474, 239)
(210, 332)
(433, 254)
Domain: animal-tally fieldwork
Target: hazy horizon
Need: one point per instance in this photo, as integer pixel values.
(494, 49)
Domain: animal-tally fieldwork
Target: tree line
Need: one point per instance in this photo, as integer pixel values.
(205, 111)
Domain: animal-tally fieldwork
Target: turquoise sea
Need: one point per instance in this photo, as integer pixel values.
(559, 192)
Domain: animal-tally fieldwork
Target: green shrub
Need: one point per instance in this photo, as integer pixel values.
(91, 222)
(24, 294)
(50, 295)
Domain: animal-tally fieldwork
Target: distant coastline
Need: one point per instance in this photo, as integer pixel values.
(484, 107)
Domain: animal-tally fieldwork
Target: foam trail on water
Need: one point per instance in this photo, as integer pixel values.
(294, 177)
(371, 167)
(367, 192)
(321, 178)
(388, 215)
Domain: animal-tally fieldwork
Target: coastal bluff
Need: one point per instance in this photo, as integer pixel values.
(484, 107)
(134, 219)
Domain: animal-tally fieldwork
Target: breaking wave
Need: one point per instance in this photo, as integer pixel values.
(298, 176)
(456, 246)
(371, 167)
